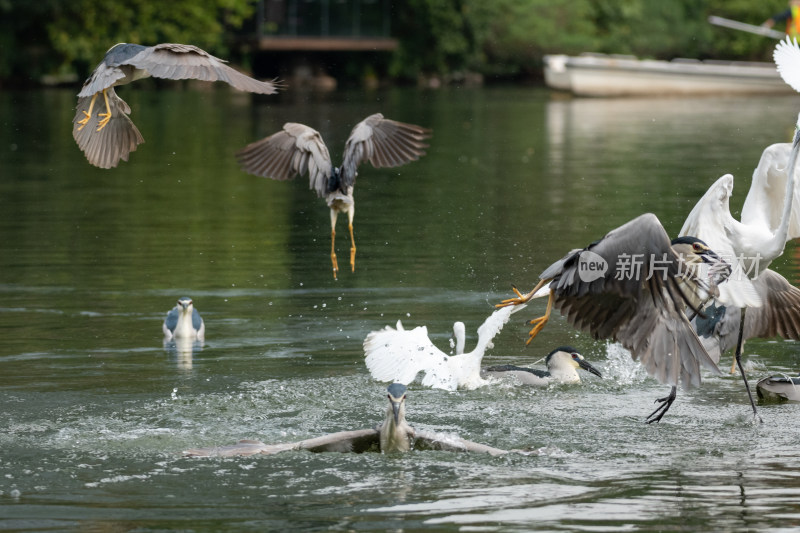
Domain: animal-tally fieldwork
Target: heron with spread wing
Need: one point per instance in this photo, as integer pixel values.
(637, 294)
(298, 149)
(108, 136)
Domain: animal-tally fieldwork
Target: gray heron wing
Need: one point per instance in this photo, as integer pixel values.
(296, 149)
(426, 440)
(382, 142)
(644, 309)
(780, 316)
(115, 142)
(171, 322)
(183, 61)
(358, 441)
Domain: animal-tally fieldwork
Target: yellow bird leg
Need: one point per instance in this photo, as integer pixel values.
(88, 114)
(352, 249)
(334, 216)
(333, 254)
(105, 116)
(539, 323)
(522, 298)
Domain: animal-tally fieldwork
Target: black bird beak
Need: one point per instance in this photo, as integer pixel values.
(396, 409)
(586, 365)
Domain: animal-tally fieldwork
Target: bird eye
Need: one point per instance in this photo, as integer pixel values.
(575, 356)
(696, 247)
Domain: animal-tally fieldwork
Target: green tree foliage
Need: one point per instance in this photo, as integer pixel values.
(46, 36)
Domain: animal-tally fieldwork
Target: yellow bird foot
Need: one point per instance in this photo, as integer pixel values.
(84, 121)
(335, 265)
(519, 300)
(538, 324)
(353, 259)
(103, 121)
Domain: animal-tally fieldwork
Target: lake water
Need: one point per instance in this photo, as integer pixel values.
(96, 410)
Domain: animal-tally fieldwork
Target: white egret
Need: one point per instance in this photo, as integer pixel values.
(400, 354)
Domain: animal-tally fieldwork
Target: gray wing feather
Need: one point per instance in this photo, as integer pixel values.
(183, 61)
(645, 315)
(197, 321)
(344, 441)
(103, 77)
(778, 317)
(382, 142)
(171, 322)
(426, 440)
(296, 149)
(115, 142)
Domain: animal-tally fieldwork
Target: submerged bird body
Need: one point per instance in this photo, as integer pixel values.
(394, 434)
(639, 303)
(184, 322)
(397, 354)
(779, 388)
(298, 149)
(562, 365)
(108, 135)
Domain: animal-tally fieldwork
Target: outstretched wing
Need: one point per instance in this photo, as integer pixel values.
(169, 61)
(639, 306)
(787, 60)
(382, 142)
(494, 324)
(427, 440)
(357, 441)
(398, 355)
(296, 149)
(765, 199)
(115, 142)
(710, 221)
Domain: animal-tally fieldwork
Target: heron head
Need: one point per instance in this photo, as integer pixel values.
(693, 249)
(185, 304)
(397, 397)
(575, 359)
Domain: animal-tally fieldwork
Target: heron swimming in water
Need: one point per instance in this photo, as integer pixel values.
(184, 322)
(562, 365)
(636, 293)
(392, 435)
(298, 149)
(400, 354)
(108, 136)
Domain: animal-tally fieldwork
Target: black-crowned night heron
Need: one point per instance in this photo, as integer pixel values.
(108, 135)
(633, 286)
(298, 149)
(562, 365)
(400, 354)
(184, 322)
(770, 218)
(779, 389)
(392, 435)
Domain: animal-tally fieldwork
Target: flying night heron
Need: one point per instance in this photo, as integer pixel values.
(562, 365)
(400, 354)
(184, 322)
(108, 136)
(641, 305)
(298, 149)
(394, 434)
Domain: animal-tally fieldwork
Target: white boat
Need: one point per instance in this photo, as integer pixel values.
(612, 75)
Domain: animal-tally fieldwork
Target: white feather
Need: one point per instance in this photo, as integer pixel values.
(399, 355)
(787, 60)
